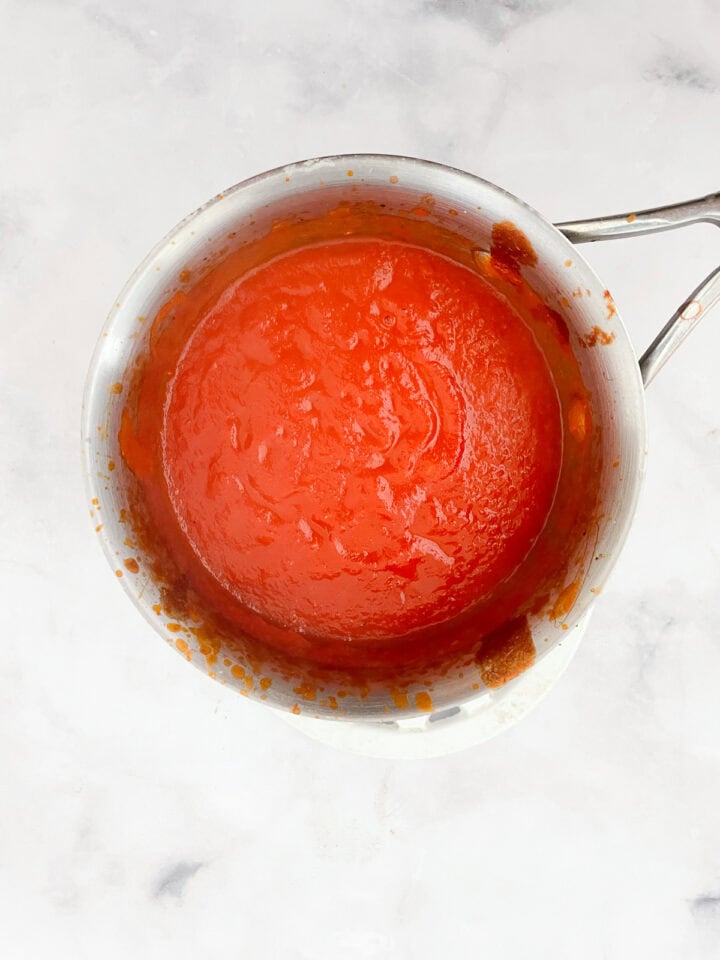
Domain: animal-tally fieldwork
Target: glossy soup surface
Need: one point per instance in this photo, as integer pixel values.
(361, 438)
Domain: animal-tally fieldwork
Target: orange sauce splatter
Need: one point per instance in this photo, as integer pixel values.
(132, 565)
(183, 647)
(240, 674)
(116, 388)
(565, 600)
(174, 627)
(350, 173)
(423, 701)
(208, 643)
(610, 304)
(295, 709)
(306, 691)
(111, 465)
(118, 573)
(631, 218)
(393, 179)
(184, 275)
(265, 683)
(400, 699)
(598, 336)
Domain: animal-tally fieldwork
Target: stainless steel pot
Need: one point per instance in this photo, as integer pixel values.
(308, 190)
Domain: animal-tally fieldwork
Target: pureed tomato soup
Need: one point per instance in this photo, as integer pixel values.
(348, 449)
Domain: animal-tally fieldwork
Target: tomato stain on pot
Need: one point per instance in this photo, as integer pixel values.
(423, 701)
(306, 691)
(564, 603)
(506, 653)
(609, 304)
(184, 648)
(598, 336)
(510, 246)
(400, 699)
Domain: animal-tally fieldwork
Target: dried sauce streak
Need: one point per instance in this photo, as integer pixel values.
(511, 247)
(506, 653)
(361, 438)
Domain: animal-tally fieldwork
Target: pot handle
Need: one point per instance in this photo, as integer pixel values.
(701, 300)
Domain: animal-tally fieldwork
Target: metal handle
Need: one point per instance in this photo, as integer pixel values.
(701, 300)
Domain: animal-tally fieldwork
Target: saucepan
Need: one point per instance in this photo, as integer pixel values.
(469, 207)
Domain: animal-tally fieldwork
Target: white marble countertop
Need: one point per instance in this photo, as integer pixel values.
(148, 812)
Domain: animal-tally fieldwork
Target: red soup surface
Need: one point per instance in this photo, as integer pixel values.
(348, 444)
(361, 438)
